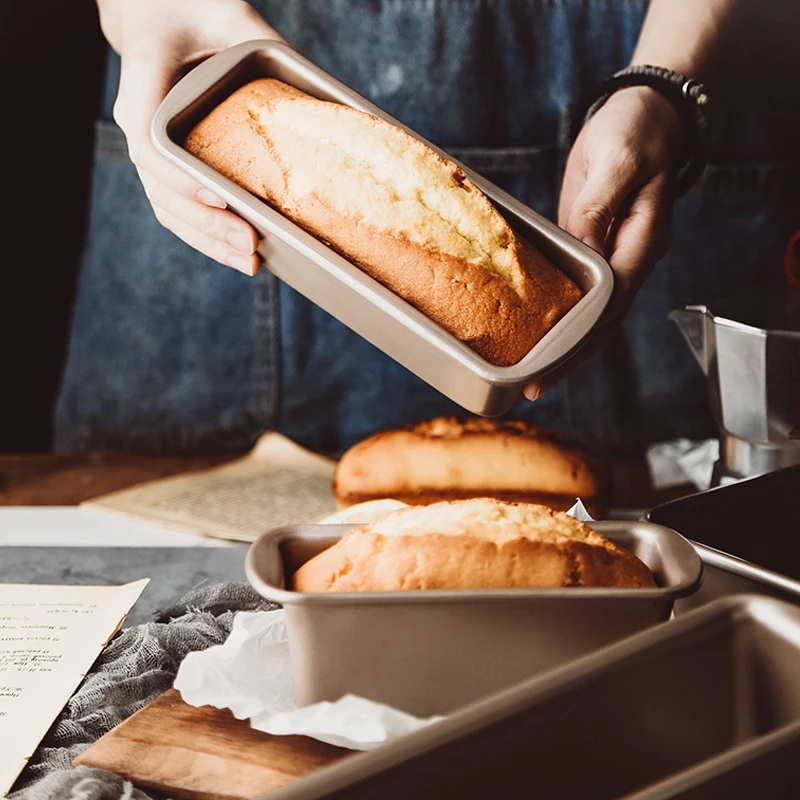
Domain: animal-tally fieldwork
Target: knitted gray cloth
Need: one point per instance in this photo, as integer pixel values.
(138, 665)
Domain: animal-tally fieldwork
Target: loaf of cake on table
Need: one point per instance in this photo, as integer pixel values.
(450, 459)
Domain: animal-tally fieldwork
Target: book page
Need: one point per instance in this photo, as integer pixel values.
(49, 638)
(277, 483)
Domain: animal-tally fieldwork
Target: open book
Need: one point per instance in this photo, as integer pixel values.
(276, 483)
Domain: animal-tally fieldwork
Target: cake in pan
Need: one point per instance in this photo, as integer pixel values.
(472, 544)
(387, 202)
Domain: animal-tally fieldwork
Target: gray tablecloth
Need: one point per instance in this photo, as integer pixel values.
(173, 571)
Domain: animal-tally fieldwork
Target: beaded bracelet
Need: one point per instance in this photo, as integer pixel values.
(686, 95)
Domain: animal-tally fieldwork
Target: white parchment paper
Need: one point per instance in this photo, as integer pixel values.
(251, 675)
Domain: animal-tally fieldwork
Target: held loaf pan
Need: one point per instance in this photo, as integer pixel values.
(428, 652)
(706, 707)
(343, 290)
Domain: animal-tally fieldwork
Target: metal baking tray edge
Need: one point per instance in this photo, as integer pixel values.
(740, 772)
(724, 573)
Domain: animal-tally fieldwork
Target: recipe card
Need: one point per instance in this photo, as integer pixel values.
(276, 483)
(49, 638)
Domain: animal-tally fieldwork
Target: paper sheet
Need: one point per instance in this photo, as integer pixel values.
(251, 674)
(277, 483)
(49, 638)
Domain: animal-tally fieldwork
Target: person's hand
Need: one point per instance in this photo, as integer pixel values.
(617, 197)
(158, 40)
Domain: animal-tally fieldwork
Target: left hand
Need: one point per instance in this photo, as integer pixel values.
(157, 40)
(617, 197)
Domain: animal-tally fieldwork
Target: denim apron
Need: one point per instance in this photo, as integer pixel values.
(170, 351)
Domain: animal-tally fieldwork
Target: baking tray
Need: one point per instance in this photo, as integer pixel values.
(427, 652)
(706, 706)
(345, 291)
(747, 534)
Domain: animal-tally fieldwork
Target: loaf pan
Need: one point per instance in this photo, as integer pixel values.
(430, 651)
(345, 291)
(746, 533)
(706, 707)
(725, 575)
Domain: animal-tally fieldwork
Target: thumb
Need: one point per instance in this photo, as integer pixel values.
(597, 203)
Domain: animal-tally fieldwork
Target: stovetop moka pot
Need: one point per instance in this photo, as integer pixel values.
(749, 347)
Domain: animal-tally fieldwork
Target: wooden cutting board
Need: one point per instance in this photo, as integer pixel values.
(203, 753)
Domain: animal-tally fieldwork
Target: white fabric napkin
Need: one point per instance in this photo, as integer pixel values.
(682, 461)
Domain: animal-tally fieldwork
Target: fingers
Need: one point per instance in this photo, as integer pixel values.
(636, 242)
(617, 197)
(620, 208)
(159, 40)
(208, 245)
(641, 236)
(233, 233)
(144, 82)
(192, 212)
(571, 185)
(609, 181)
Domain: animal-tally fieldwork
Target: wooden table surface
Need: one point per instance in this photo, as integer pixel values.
(66, 480)
(172, 764)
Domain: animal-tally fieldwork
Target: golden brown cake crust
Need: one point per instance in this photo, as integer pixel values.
(501, 318)
(473, 544)
(448, 459)
(595, 507)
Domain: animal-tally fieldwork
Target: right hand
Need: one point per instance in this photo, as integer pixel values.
(617, 197)
(157, 40)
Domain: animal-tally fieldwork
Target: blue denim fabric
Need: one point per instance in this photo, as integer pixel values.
(171, 351)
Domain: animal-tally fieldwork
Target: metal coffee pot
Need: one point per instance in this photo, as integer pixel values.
(749, 347)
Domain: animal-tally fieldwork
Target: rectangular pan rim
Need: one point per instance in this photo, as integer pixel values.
(745, 569)
(501, 377)
(289, 598)
(728, 562)
(703, 771)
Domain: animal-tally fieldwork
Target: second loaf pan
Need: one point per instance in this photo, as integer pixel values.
(428, 652)
(345, 291)
(706, 707)
(745, 533)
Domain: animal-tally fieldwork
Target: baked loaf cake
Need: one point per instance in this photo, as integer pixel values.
(446, 459)
(388, 203)
(471, 544)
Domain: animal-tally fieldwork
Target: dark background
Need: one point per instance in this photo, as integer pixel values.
(53, 56)
(52, 67)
